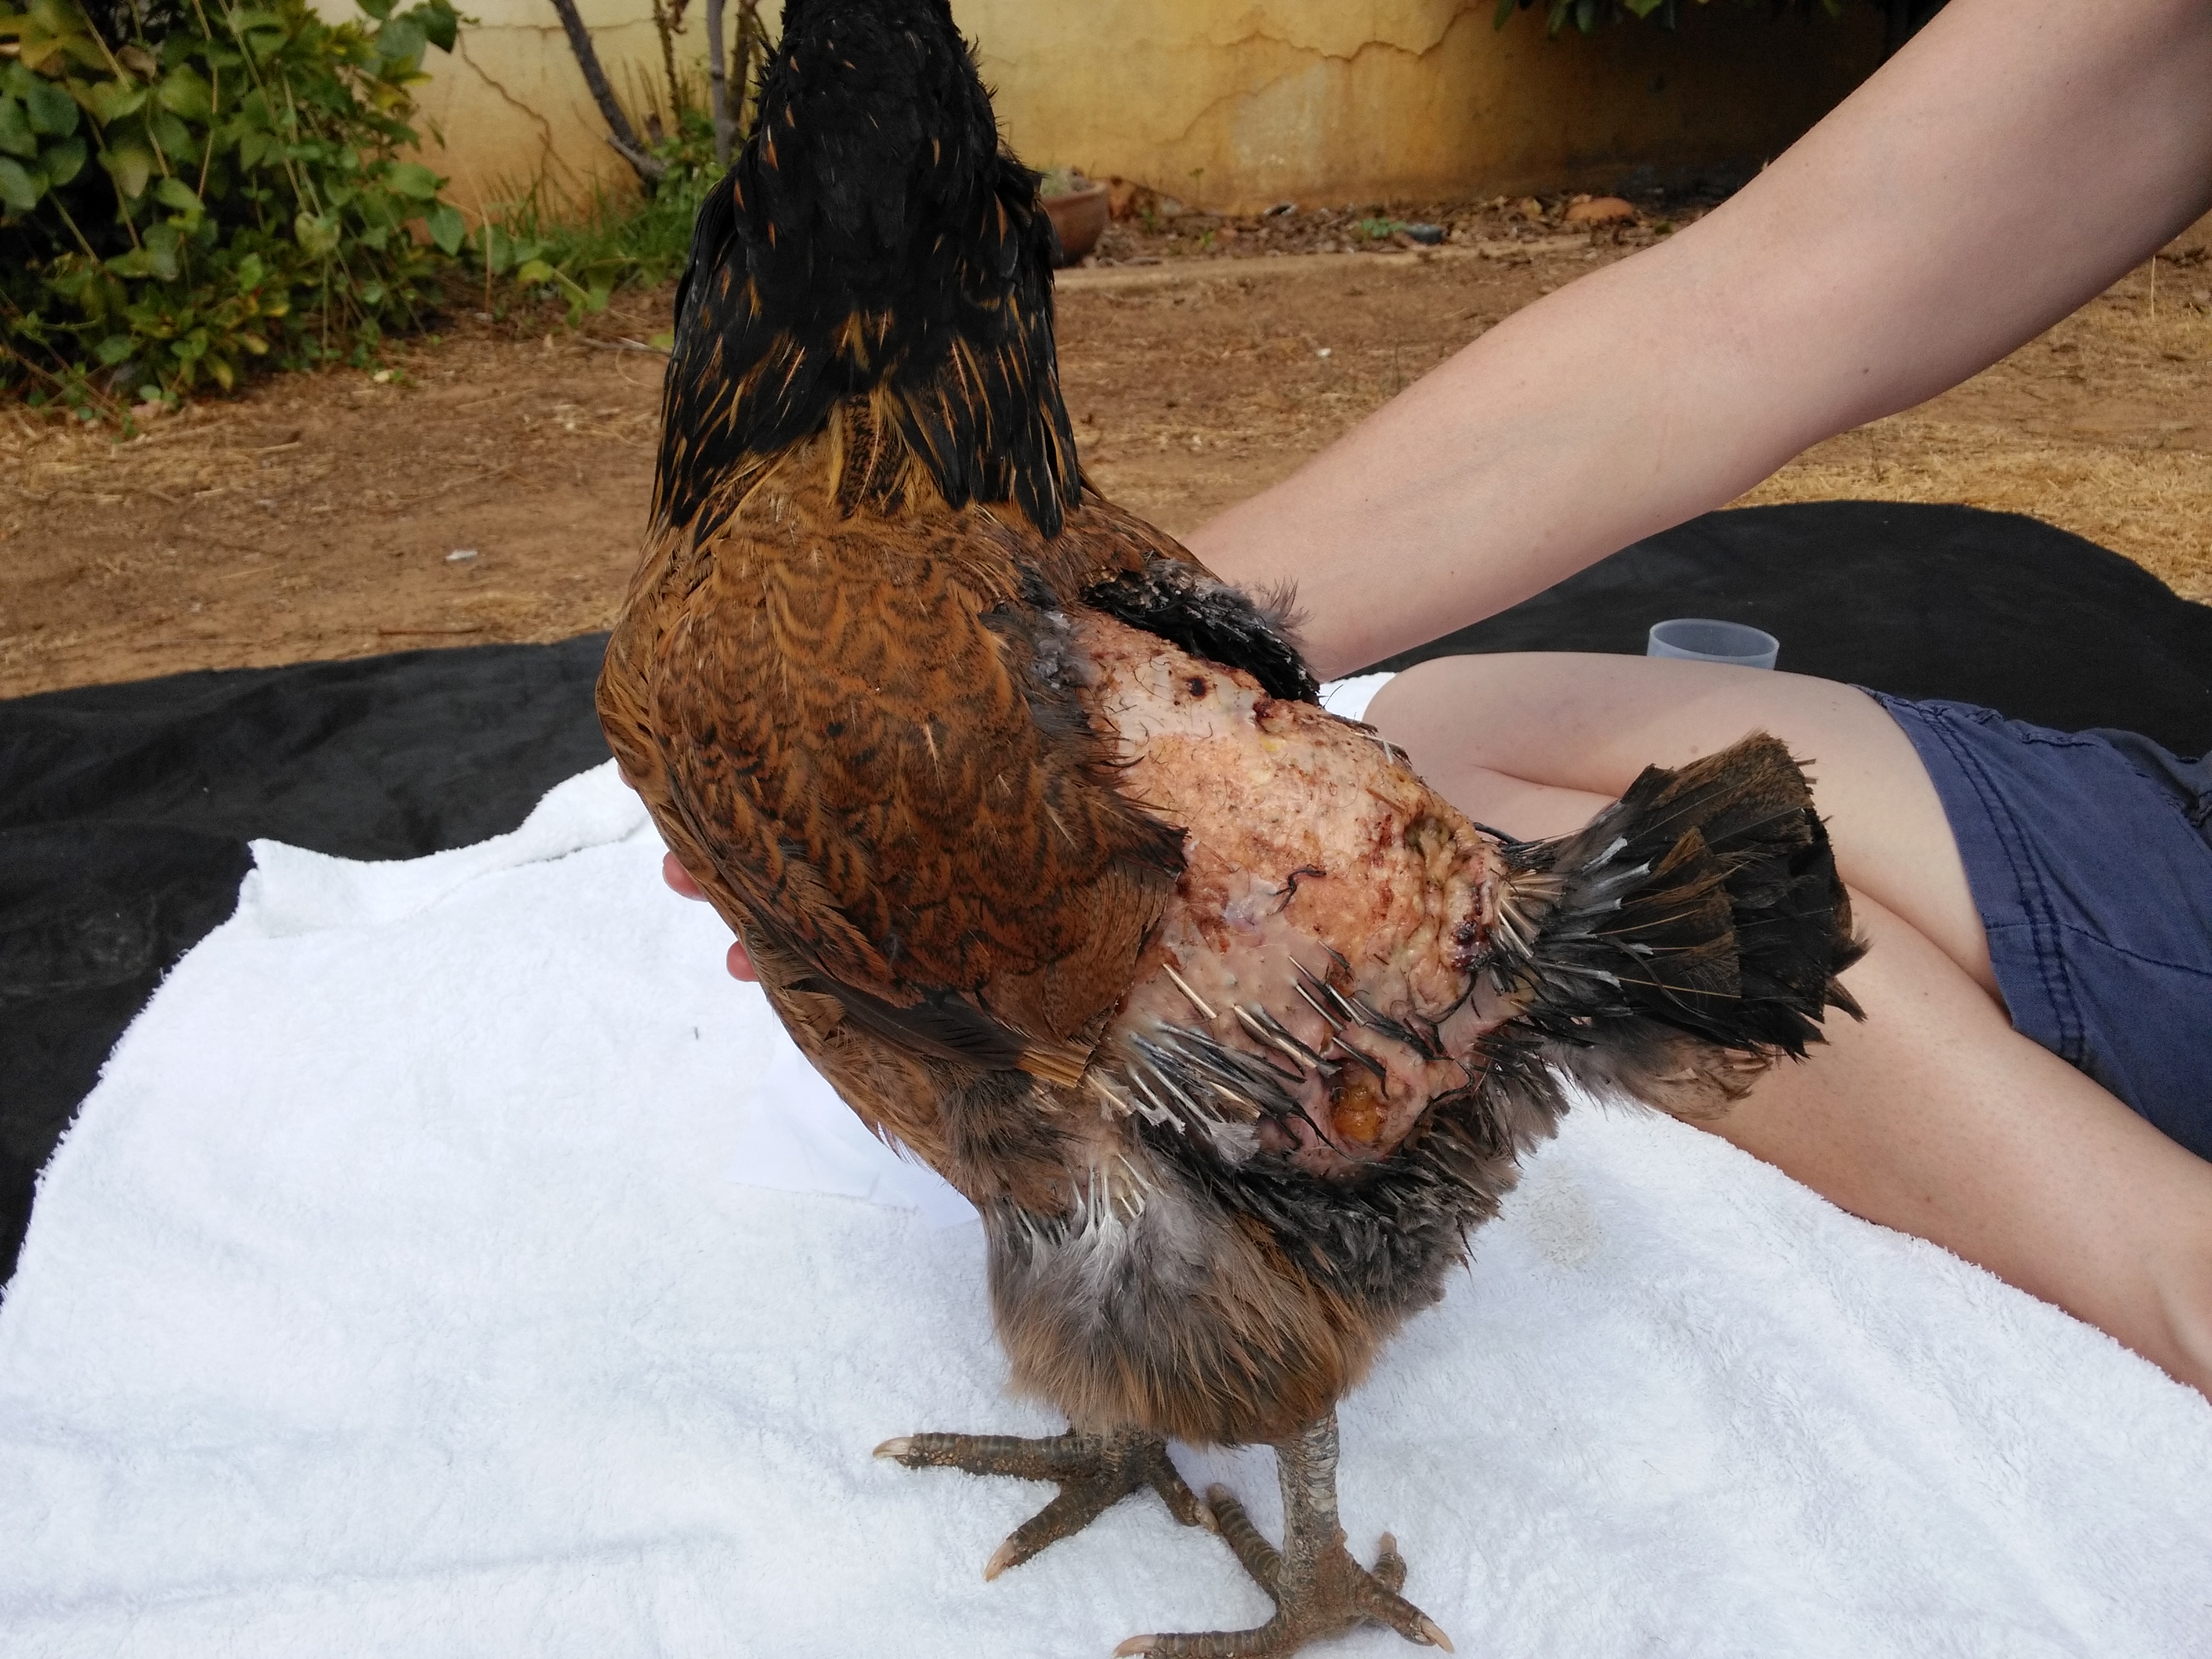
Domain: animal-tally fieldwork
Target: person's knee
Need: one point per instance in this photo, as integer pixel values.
(1447, 699)
(2187, 1294)
(1456, 717)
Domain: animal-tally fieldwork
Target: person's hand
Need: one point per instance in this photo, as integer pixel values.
(740, 961)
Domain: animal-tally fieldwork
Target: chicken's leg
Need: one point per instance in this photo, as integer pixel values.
(1318, 1588)
(1094, 1471)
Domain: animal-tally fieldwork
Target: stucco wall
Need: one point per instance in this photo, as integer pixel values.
(1340, 100)
(1238, 103)
(510, 106)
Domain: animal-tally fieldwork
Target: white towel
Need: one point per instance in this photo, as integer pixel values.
(393, 1295)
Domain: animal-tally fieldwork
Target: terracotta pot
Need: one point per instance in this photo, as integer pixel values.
(1079, 218)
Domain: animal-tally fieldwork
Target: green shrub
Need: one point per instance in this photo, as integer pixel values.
(581, 252)
(189, 192)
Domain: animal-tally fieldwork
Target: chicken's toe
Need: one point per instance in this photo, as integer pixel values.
(1093, 1471)
(1318, 1588)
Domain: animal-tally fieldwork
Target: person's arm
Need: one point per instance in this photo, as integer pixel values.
(2013, 160)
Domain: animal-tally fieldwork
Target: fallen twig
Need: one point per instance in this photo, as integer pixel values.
(624, 343)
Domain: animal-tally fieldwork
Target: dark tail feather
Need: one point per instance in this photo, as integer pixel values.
(1692, 932)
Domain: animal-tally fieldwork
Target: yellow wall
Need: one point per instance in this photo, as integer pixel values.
(510, 104)
(1239, 103)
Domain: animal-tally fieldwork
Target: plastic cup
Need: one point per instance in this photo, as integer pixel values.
(1700, 639)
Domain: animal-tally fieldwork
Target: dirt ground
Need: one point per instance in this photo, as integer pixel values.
(492, 486)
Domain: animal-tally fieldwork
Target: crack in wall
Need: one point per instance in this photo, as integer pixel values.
(546, 159)
(1314, 55)
(1373, 42)
(461, 50)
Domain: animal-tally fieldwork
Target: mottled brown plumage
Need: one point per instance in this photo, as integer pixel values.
(1231, 1028)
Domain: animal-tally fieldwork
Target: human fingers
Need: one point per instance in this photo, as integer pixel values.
(740, 961)
(679, 878)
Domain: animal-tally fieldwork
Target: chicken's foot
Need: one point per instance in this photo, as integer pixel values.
(1318, 1588)
(1093, 1471)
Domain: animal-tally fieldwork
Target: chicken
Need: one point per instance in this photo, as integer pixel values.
(1049, 860)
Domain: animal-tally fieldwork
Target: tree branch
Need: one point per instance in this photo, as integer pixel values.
(718, 83)
(647, 167)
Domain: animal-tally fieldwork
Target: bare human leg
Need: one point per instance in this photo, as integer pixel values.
(1933, 1116)
(1589, 723)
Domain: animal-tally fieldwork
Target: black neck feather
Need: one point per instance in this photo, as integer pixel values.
(872, 240)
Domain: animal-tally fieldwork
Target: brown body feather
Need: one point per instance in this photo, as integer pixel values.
(859, 742)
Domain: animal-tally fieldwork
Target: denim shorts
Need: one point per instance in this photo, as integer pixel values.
(2090, 858)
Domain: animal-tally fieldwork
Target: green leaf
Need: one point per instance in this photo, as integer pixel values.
(130, 166)
(111, 101)
(182, 92)
(447, 227)
(20, 187)
(161, 251)
(252, 147)
(64, 161)
(440, 23)
(318, 236)
(176, 194)
(16, 138)
(113, 350)
(251, 272)
(380, 9)
(413, 179)
(535, 271)
(402, 40)
(52, 112)
(174, 137)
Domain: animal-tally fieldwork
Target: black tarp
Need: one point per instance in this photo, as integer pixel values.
(125, 810)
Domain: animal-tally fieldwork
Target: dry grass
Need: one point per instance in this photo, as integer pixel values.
(2102, 427)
